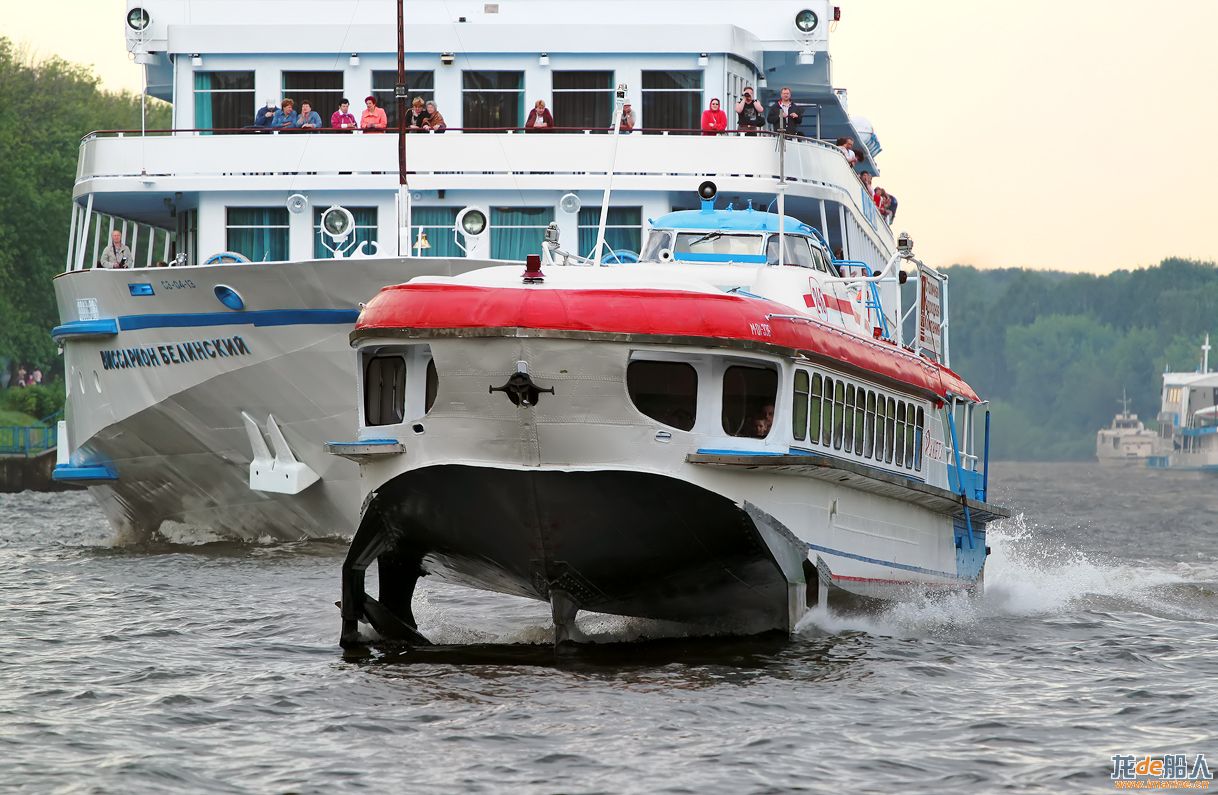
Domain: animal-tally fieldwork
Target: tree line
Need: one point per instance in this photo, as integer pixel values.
(1051, 350)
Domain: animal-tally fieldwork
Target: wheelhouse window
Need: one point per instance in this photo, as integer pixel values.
(418, 84)
(672, 100)
(224, 100)
(365, 231)
(583, 100)
(492, 100)
(518, 231)
(798, 253)
(437, 223)
(260, 233)
(718, 244)
(749, 394)
(667, 392)
(385, 390)
(322, 90)
(623, 229)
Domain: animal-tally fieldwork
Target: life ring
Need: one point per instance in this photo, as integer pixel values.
(620, 257)
(221, 257)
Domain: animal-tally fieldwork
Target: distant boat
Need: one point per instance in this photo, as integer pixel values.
(1188, 419)
(1126, 440)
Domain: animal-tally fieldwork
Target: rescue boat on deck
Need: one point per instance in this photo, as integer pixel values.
(726, 433)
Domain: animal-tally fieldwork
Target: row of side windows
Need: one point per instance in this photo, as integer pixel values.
(836, 414)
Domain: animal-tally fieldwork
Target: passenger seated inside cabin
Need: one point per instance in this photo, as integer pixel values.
(417, 116)
(285, 117)
(309, 119)
(847, 147)
(714, 120)
(750, 113)
(749, 392)
(785, 115)
(435, 122)
(343, 118)
(540, 119)
(373, 118)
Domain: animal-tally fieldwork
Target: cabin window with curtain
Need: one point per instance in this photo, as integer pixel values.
(583, 100)
(418, 84)
(493, 100)
(623, 229)
(672, 100)
(322, 90)
(260, 233)
(667, 392)
(799, 405)
(517, 232)
(385, 390)
(224, 100)
(437, 223)
(365, 230)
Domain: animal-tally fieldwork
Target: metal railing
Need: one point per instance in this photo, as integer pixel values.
(28, 440)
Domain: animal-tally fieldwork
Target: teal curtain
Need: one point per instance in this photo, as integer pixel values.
(518, 231)
(365, 229)
(203, 115)
(623, 229)
(260, 233)
(438, 223)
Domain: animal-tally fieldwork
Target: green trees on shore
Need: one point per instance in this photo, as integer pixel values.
(48, 105)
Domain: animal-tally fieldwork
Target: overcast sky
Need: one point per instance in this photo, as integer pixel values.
(1068, 134)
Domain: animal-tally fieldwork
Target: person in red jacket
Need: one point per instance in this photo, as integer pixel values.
(714, 120)
(540, 118)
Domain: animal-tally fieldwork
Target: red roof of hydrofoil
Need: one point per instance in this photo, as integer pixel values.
(672, 313)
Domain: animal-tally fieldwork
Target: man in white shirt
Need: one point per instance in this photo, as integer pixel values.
(115, 255)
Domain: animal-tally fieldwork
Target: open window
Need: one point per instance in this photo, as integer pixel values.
(665, 391)
(749, 393)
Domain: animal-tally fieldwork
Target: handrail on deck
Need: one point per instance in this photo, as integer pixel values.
(28, 440)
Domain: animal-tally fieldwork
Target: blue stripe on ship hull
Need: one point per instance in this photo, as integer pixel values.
(262, 317)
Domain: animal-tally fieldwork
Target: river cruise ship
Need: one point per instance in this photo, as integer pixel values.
(1188, 419)
(202, 393)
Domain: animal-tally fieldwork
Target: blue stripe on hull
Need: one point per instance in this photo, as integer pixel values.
(886, 563)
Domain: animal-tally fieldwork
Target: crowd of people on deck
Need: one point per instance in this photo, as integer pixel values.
(884, 201)
(420, 116)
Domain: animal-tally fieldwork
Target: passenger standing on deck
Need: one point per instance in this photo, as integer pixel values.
(343, 119)
(865, 176)
(285, 116)
(417, 116)
(785, 115)
(847, 147)
(435, 121)
(115, 255)
(627, 122)
(540, 119)
(309, 119)
(373, 118)
(714, 120)
(750, 114)
(265, 114)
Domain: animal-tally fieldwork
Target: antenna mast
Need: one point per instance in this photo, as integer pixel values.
(399, 93)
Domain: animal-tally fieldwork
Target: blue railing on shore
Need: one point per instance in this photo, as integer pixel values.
(27, 440)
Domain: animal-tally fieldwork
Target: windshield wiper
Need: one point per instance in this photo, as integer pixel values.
(706, 237)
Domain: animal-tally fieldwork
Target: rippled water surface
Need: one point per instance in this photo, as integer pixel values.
(213, 667)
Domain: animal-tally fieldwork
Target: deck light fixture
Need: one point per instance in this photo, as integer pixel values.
(447, 58)
(355, 59)
(138, 19)
(196, 59)
(806, 21)
(544, 59)
(703, 59)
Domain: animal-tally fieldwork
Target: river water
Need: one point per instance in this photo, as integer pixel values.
(214, 667)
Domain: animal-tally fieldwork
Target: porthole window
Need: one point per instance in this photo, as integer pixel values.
(799, 406)
(384, 390)
(748, 400)
(667, 392)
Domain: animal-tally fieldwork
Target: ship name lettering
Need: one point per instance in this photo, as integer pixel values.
(174, 353)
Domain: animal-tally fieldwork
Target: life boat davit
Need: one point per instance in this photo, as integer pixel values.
(726, 432)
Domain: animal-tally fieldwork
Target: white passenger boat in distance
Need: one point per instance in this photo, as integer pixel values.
(1188, 419)
(725, 434)
(201, 394)
(1126, 440)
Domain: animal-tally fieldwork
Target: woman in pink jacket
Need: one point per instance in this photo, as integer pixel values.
(373, 118)
(714, 120)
